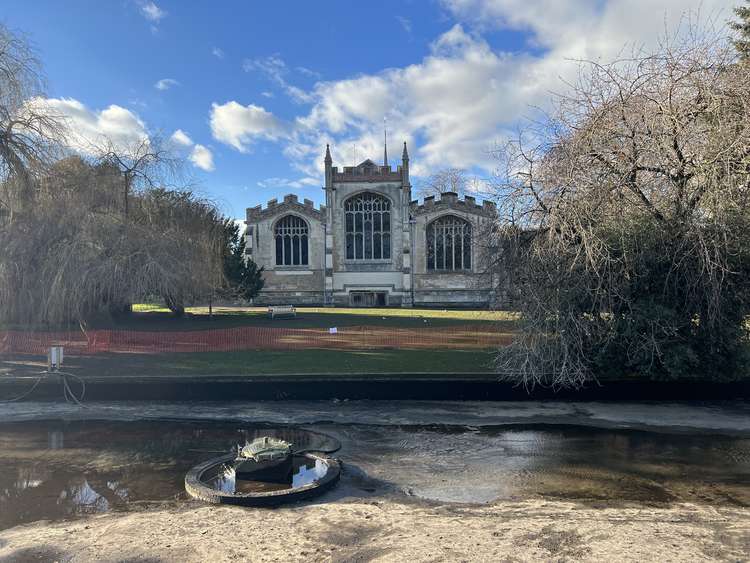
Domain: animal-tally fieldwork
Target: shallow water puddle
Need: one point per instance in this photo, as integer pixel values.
(54, 469)
(305, 471)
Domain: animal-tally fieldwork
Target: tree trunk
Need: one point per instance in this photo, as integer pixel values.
(175, 305)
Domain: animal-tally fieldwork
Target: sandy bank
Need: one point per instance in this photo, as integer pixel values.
(386, 530)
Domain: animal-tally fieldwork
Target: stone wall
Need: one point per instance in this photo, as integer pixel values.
(329, 277)
(298, 285)
(376, 275)
(466, 288)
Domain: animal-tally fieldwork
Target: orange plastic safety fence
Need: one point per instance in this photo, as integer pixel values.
(92, 342)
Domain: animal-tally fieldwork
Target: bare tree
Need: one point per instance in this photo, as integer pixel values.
(81, 237)
(625, 220)
(76, 256)
(445, 180)
(30, 135)
(142, 164)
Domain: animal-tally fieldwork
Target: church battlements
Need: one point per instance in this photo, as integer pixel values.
(367, 172)
(451, 200)
(370, 245)
(290, 203)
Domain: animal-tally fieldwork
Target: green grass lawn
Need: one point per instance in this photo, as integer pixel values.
(269, 363)
(147, 317)
(155, 317)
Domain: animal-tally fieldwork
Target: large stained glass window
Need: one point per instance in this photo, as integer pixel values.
(449, 244)
(367, 227)
(291, 241)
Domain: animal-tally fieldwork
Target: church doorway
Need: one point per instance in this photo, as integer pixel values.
(368, 299)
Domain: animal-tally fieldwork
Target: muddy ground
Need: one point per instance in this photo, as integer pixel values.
(546, 482)
(386, 530)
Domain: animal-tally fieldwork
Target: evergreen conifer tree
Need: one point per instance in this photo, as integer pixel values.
(243, 277)
(742, 27)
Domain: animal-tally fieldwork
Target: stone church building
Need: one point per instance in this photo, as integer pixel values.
(371, 245)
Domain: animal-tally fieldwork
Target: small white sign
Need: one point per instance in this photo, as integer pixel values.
(333, 330)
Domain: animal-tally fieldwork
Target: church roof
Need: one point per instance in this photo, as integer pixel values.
(290, 203)
(451, 201)
(367, 171)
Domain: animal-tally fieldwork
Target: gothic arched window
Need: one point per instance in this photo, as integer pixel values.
(449, 244)
(291, 241)
(367, 227)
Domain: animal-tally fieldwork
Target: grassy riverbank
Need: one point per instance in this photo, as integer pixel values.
(267, 363)
(370, 348)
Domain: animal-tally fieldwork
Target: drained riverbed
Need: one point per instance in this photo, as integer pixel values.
(60, 462)
(422, 481)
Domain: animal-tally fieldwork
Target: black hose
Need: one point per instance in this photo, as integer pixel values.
(68, 394)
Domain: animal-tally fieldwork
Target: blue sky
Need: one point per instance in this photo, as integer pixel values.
(250, 92)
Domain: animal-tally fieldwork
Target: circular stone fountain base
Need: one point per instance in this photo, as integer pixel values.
(313, 475)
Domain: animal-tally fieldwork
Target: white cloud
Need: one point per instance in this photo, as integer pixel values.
(179, 137)
(151, 11)
(588, 28)
(273, 67)
(166, 84)
(464, 96)
(239, 126)
(218, 53)
(276, 183)
(405, 23)
(200, 155)
(455, 101)
(241, 224)
(88, 129)
(202, 158)
(309, 72)
(267, 94)
(299, 95)
(276, 70)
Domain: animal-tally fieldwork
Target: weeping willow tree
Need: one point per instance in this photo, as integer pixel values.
(77, 255)
(628, 209)
(85, 236)
(30, 138)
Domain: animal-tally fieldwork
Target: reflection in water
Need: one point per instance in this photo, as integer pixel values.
(56, 470)
(473, 464)
(308, 473)
(28, 478)
(55, 440)
(85, 498)
(224, 480)
(305, 471)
